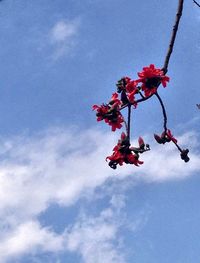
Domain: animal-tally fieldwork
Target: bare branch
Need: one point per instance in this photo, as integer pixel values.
(141, 94)
(165, 119)
(129, 121)
(126, 125)
(196, 3)
(137, 101)
(173, 36)
(178, 147)
(164, 112)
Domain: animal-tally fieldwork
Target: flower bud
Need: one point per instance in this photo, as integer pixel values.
(141, 143)
(184, 155)
(159, 139)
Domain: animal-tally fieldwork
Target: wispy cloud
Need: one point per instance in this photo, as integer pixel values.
(53, 167)
(62, 31)
(96, 238)
(28, 237)
(62, 165)
(164, 162)
(62, 36)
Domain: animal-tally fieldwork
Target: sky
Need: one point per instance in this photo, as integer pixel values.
(60, 202)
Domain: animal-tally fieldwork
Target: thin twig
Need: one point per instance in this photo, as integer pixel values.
(196, 3)
(135, 102)
(179, 148)
(164, 112)
(126, 125)
(143, 99)
(129, 121)
(165, 119)
(141, 94)
(173, 36)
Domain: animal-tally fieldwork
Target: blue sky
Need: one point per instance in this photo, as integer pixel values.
(59, 200)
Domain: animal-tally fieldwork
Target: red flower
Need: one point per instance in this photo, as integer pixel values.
(133, 159)
(149, 92)
(131, 91)
(123, 153)
(115, 120)
(131, 86)
(151, 78)
(101, 111)
(115, 101)
(131, 98)
(110, 112)
(121, 84)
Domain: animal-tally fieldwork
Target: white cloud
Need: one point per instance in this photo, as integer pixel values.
(164, 162)
(96, 238)
(54, 167)
(62, 36)
(62, 165)
(62, 31)
(29, 237)
(57, 166)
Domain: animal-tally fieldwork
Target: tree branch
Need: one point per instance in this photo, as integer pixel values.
(165, 119)
(196, 3)
(164, 112)
(141, 94)
(129, 121)
(126, 125)
(137, 101)
(173, 36)
(178, 147)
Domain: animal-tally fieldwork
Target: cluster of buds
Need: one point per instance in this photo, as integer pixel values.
(184, 155)
(167, 136)
(124, 153)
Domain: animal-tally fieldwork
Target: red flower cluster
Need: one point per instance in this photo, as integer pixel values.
(151, 78)
(123, 153)
(128, 89)
(145, 86)
(110, 112)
